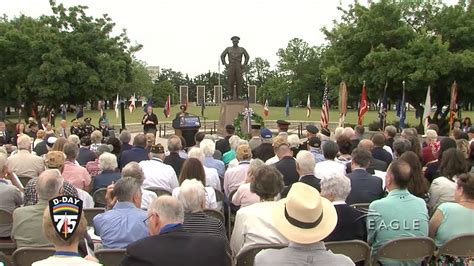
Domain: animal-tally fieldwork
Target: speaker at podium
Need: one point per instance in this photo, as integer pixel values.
(187, 126)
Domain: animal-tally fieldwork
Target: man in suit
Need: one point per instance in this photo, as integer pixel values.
(365, 188)
(265, 150)
(223, 145)
(137, 153)
(286, 164)
(378, 152)
(374, 164)
(85, 155)
(169, 244)
(173, 159)
(62, 131)
(305, 167)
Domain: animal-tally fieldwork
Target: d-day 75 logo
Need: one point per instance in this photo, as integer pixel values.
(66, 213)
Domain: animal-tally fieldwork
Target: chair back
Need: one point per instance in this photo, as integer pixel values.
(110, 256)
(247, 256)
(357, 250)
(26, 256)
(99, 197)
(90, 213)
(459, 246)
(6, 217)
(216, 214)
(406, 248)
(159, 191)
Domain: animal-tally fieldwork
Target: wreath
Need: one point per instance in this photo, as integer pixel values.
(247, 113)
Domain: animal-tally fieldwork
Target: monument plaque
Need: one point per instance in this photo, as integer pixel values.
(217, 94)
(183, 94)
(252, 93)
(200, 94)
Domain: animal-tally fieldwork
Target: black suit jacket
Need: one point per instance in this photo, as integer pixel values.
(85, 155)
(376, 164)
(381, 154)
(365, 188)
(178, 247)
(287, 167)
(263, 152)
(312, 181)
(350, 224)
(223, 145)
(175, 161)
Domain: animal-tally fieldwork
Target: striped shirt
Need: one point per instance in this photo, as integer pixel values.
(199, 222)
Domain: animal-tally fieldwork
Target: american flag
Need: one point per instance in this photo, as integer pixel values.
(265, 108)
(166, 110)
(308, 106)
(325, 109)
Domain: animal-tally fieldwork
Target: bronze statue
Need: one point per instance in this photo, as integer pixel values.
(235, 68)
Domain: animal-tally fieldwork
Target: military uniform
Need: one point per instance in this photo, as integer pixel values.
(87, 127)
(77, 131)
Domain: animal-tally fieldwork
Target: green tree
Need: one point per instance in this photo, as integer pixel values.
(161, 90)
(258, 71)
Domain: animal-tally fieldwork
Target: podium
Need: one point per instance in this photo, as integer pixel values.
(187, 126)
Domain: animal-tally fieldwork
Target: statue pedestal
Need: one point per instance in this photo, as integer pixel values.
(229, 111)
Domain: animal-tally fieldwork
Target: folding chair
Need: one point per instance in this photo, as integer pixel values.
(357, 250)
(216, 214)
(7, 245)
(247, 256)
(26, 256)
(99, 197)
(406, 248)
(89, 214)
(110, 256)
(459, 246)
(159, 191)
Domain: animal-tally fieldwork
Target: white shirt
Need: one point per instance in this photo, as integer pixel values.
(212, 178)
(158, 174)
(210, 197)
(233, 163)
(272, 160)
(234, 177)
(147, 197)
(327, 168)
(64, 261)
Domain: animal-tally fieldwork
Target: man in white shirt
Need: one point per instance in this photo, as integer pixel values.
(212, 177)
(158, 174)
(329, 166)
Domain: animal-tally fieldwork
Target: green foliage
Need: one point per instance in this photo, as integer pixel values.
(161, 90)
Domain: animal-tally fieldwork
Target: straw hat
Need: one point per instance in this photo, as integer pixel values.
(304, 216)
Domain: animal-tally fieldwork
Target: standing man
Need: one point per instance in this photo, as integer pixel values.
(62, 130)
(149, 121)
(88, 128)
(235, 67)
(76, 129)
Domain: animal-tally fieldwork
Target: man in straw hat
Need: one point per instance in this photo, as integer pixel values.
(304, 218)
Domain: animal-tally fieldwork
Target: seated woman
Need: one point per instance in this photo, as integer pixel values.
(253, 224)
(350, 222)
(193, 169)
(455, 218)
(244, 197)
(442, 188)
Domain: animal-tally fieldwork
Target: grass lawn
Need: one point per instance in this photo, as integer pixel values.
(212, 113)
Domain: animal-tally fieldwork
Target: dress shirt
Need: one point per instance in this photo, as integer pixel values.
(318, 154)
(25, 164)
(147, 197)
(10, 199)
(400, 214)
(28, 226)
(327, 168)
(272, 160)
(441, 190)
(254, 225)
(76, 175)
(212, 178)
(121, 225)
(235, 176)
(158, 174)
(211, 202)
(244, 197)
(301, 254)
(210, 162)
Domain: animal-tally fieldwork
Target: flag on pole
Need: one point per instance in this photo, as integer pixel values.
(383, 109)
(308, 106)
(132, 103)
(117, 106)
(265, 108)
(427, 110)
(342, 103)
(363, 108)
(452, 104)
(166, 110)
(287, 106)
(325, 109)
(401, 110)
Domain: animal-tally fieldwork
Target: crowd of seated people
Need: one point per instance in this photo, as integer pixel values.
(275, 186)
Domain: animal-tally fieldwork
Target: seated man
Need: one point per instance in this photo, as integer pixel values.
(169, 244)
(329, 166)
(137, 153)
(65, 243)
(27, 220)
(400, 214)
(10, 195)
(157, 173)
(305, 218)
(24, 163)
(193, 198)
(123, 224)
(173, 159)
(286, 163)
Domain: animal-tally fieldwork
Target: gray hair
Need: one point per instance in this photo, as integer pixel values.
(253, 166)
(336, 185)
(74, 139)
(305, 161)
(133, 169)
(391, 130)
(125, 137)
(96, 136)
(234, 142)
(431, 135)
(192, 195)
(197, 153)
(168, 208)
(24, 143)
(126, 187)
(293, 140)
(400, 146)
(338, 132)
(49, 183)
(208, 147)
(174, 144)
(71, 150)
(107, 161)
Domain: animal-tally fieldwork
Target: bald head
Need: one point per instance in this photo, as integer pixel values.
(49, 184)
(366, 144)
(398, 175)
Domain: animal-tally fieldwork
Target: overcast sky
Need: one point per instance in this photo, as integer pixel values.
(189, 35)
